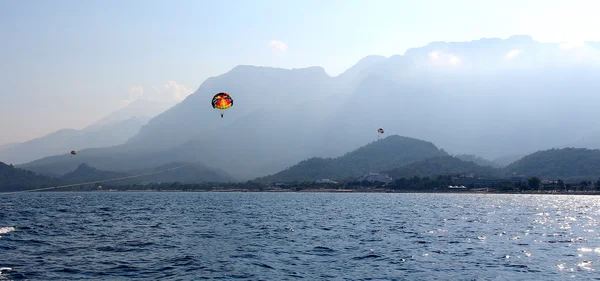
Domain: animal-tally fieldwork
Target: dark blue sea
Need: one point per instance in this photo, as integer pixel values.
(298, 236)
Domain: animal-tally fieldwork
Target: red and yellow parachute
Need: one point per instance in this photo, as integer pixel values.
(222, 101)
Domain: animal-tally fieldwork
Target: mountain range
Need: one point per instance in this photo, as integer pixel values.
(114, 129)
(402, 157)
(14, 179)
(496, 163)
(389, 153)
(492, 98)
(396, 156)
(182, 172)
(442, 165)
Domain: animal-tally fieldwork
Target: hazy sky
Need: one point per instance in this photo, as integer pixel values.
(65, 64)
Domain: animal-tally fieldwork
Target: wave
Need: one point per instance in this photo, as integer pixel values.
(5, 230)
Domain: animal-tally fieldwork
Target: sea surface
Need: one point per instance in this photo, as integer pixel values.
(298, 236)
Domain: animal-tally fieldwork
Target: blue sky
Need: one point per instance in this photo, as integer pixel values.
(65, 64)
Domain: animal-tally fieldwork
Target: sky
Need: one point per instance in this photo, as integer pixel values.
(66, 64)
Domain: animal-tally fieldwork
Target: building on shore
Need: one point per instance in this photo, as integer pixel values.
(468, 181)
(376, 177)
(326, 181)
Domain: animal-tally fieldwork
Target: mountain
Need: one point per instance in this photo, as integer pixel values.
(85, 173)
(490, 97)
(506, 160)
(114, 129)
(140, 108)
(66, 140)
(7, 146)
(248, 141)
(261, 94)
(568, 164)
(350, 78)
(15, 179)
(192, 173)
(389, 153)
(477, 160)
(442, 165)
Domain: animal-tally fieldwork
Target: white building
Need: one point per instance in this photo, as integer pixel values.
(326, 181)
(375, 177)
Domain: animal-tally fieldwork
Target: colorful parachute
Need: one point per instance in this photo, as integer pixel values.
(73, 152)
(222, 101)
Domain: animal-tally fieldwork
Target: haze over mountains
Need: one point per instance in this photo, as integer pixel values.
(402, 157)
(399, 157)
(114, 129)
(389, 153)
(490, 98)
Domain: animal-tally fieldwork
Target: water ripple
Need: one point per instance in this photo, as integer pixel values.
(289, 236)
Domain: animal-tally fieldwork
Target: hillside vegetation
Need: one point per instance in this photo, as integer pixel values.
(391, 152)
(442, 165)
(15, 179)
(570, 164)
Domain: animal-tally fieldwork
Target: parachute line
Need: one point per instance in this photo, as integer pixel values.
(92, 182)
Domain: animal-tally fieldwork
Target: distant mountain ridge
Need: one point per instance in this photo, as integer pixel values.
(385, 154)
(85, 173)
(15, 179)
(191, 173)
(410, 157)
(443, 165)
(506, 160)
(65, 140)
(140, 108)
(114, 129)
(490, 97)
(477, 160)
(569, 164)
(182, 173)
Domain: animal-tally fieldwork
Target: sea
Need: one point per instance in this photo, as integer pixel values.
(298, 236)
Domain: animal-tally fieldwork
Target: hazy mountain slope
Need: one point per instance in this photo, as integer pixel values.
(504, 161)
(239, 148)
(391, 152)
(191, 173)
(15, 179)
(66, 140)
(7, 146)
(442, 165)
(350, 78)
(114, 129)
(477, 160)
(254, 90)
(259, 135)
(140, 108)
(263, 142)
(483, 103)
(117, 158)
(567, 164)
(86, 173)
(488, 97)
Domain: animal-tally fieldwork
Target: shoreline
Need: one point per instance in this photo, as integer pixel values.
(327, 191)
